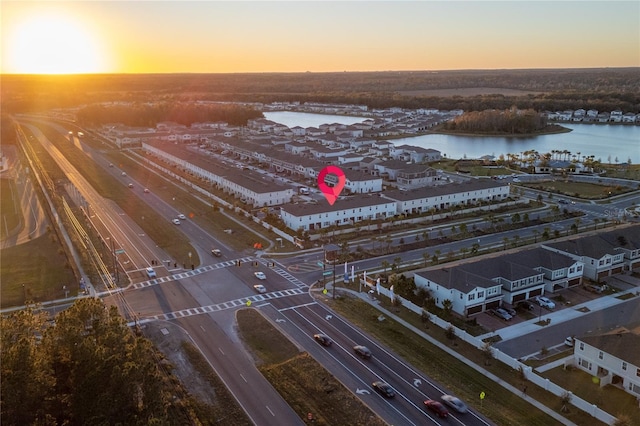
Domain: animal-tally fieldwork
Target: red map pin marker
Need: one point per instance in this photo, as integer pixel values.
(331, 193)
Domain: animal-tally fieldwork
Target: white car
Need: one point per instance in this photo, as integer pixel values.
(544, 302)
(176, 221)
(454, 403)
(260, 275)
(150, 272)
(260, 288)
(181, 216)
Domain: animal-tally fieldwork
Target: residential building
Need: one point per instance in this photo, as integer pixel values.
(613, 358)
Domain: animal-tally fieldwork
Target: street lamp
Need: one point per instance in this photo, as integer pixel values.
(190, 260)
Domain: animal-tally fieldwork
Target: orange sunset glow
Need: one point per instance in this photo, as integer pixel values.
(221, 37)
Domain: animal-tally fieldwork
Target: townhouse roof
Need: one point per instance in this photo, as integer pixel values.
(342, 203)
(592, 246)
(457, 278)
(540, 257)
(495, 267)
(441, 190)
(621, 345)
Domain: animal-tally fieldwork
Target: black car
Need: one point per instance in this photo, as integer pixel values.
(362, 351)
(526, 306)
(323, 339)
(384, 389)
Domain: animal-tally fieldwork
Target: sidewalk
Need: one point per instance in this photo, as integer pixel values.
(559, 316)
(491, 376)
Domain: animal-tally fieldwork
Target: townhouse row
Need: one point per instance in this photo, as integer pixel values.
(477, 286)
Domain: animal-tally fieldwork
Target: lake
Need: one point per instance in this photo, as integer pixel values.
(600, 140)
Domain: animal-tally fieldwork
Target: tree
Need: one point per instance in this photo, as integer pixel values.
(535, 235)
(425, 257)
(515, 218)
(385, 265)
(90, 369)
(447, 306)
(396, 263)
(505, 241)
(450, 333)
(565, 399)
(464, 251)
(487, 352)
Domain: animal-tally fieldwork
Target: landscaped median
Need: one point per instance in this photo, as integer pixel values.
(302, 381)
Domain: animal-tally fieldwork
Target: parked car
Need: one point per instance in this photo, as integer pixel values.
(176, 221)
(260, 288)
(384, 389)
(511, 311)
(544, 302)
(323, 339)
(437, 408)
(150, 272)
(260, 275)
(501, 313)
(526, 306)
(455, 403)
(362, 351)
(594, 288)
(216, 252)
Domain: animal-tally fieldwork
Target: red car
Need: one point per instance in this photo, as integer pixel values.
(437, 408)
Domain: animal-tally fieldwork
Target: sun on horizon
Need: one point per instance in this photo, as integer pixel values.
(52, 43)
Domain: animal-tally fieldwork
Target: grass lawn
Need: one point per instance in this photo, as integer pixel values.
(500, 405)
(40, 266)
(578, 189)
(11, 213)
(303, 383)
(609, 398)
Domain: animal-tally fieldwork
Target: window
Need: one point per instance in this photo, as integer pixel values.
(600, 355)
(624, 366)
(638, 372)
(472, 296)
(581, 346)
(480, 294)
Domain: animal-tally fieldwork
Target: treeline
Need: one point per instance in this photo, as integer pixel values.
(511, 121)
(145, 115)
(555, 89)
(86, 369)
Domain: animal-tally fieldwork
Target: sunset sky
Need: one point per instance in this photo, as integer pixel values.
(297, 36)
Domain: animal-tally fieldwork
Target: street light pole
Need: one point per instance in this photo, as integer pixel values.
(334, 276)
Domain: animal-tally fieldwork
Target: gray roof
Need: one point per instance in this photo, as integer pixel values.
(434, 191)
(299, 210)
(495, 267)
(621, 345)
(540, 257)
(457, 278)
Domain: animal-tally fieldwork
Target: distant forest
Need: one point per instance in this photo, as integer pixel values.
(604, 89)
(144, 115)
(510, 121)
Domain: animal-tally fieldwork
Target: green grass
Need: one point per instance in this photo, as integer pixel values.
(610, 398)
(41, 266)
(11, 212)
(578, 189)
(303, 382)
(500, 405)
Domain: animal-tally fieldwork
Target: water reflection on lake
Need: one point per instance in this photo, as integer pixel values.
(603, 141)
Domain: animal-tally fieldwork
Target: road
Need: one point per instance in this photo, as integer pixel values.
(204, 300)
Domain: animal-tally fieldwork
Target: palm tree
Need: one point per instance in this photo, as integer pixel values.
(535, 235)
(425, 256)
(385, 265)
(505, 240)
(464, 251)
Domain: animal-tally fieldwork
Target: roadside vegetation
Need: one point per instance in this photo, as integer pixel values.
(303, 382)
(87, 367)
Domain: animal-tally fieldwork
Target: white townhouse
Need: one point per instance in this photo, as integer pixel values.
(441, 197)
(613, 358)
(345, 211)
(518, 282)
(601, 258)
(559, 270)
(469, 293)
(627, 241)
(249, 187)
